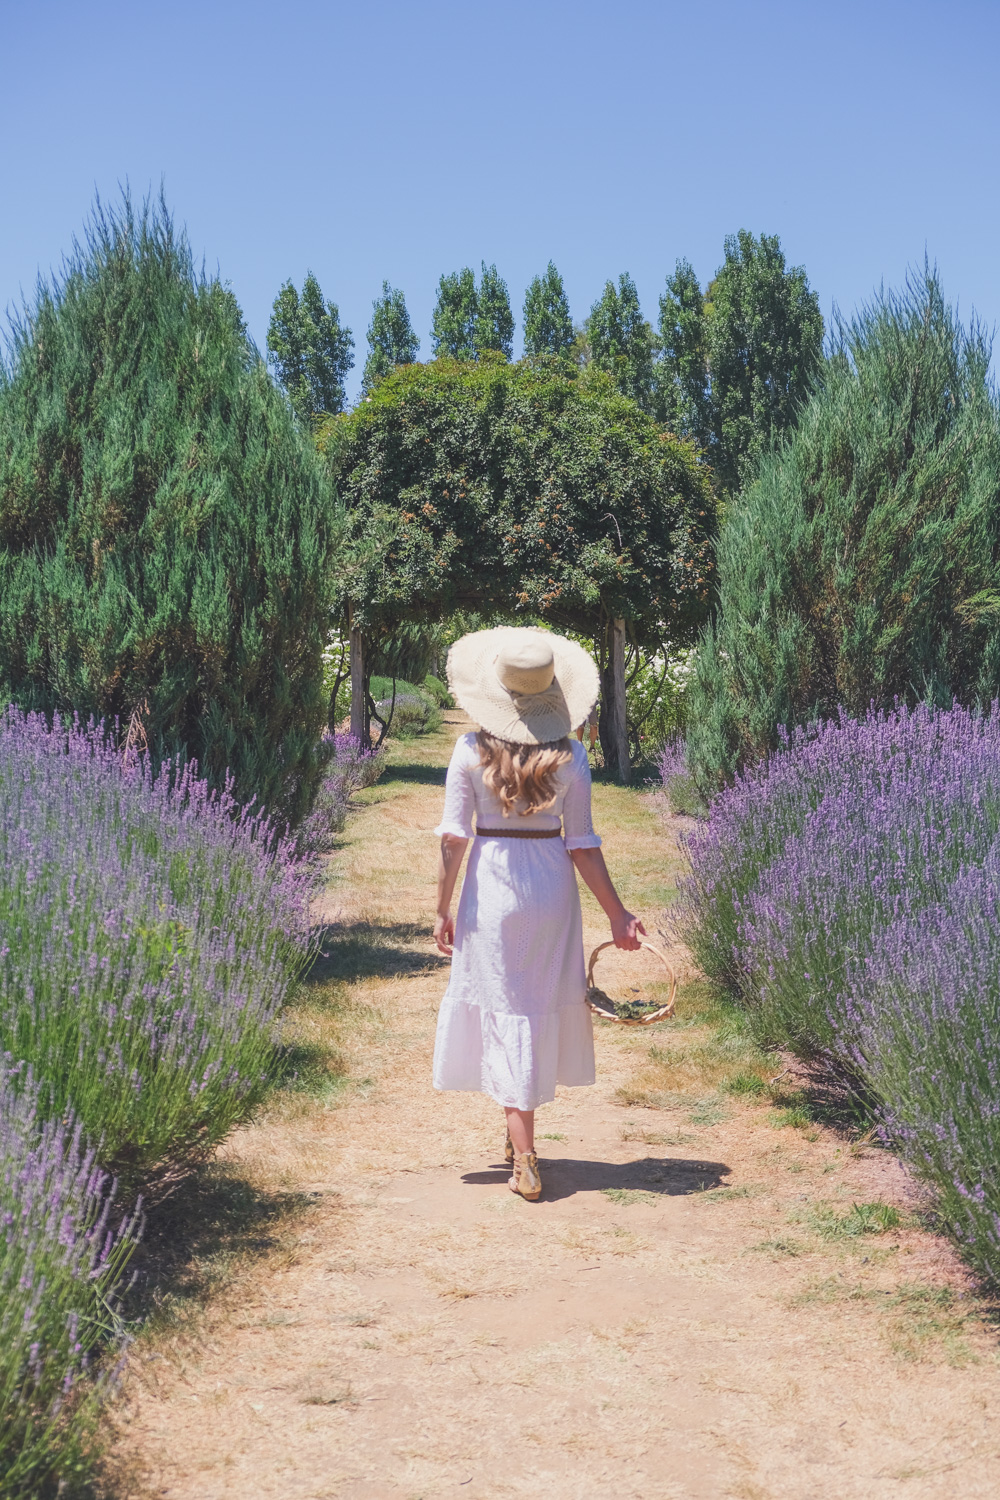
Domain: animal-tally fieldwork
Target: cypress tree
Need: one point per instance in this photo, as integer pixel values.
(166, 535)
(863, 565)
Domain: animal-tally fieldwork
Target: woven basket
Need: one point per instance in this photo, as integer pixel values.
(602, 1006)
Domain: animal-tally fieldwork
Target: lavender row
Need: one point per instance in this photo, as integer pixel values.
(150, 932)
(60, 1262)
(846, 891)
(348, 768)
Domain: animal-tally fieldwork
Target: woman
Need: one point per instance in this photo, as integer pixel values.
(514, 1020)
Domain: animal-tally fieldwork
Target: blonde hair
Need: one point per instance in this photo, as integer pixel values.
(522, 773)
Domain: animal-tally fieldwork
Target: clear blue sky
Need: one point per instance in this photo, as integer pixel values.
(399, 140)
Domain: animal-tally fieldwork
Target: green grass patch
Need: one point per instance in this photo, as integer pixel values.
(731, 1194)
(778, 1248)
(863, 1218)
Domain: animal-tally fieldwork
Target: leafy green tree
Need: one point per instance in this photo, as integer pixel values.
(621, 341)
(167, 537)
(764, 336)
(494, 319)
(548, 327)
(310, 353)
(456, 315)
(681, 379)
(391, 339)
(522, 491)
(863, 565)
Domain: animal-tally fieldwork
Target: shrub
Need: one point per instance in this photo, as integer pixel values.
(60, 1261)
(151, 933)
(438, 691)
(166, 534)
(847, 893)
(412, 714)
(861, 566)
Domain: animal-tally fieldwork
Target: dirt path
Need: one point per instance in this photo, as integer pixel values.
(688, 1313)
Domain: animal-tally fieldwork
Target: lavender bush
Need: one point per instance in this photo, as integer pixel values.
(150, 931)
(349, 766)
(59, 1265)
(847, 892)
(923, 1023)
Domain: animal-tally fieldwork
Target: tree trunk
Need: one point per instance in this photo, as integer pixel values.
(359, 707)
(613, 730)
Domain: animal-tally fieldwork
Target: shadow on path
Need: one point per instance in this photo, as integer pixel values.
(414, 773)
(366, 950)
(213, 1217)
(672, 1177)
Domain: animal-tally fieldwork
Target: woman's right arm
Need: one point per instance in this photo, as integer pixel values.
(625, 928)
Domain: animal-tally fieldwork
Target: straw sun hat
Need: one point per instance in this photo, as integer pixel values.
(523, 684)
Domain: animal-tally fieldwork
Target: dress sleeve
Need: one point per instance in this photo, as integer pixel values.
(459, 795)
(578, 828)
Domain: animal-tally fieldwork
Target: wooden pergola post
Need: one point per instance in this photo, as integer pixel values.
(359, 726)
(619, 730)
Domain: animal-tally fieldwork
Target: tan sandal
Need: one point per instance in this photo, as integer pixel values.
(526, 1179)
(508, 1150)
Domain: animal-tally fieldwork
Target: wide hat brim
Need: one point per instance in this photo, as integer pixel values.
(523, 719)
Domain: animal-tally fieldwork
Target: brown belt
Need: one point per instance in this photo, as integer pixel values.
(518, 833)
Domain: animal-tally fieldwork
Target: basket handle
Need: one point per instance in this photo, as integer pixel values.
(665, 1010)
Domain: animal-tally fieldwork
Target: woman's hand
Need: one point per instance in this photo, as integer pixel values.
(444, 933)
(626, 930)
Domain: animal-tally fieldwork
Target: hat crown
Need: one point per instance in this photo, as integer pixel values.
(523, 684)
(526, 666)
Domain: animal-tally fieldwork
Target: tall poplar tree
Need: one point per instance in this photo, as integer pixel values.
(456, 313)
(469, 320)
(681, 382)
(548, 327)
(310, 352)
(494, 319)
(764, 336)
(621, 341)
(391, 339)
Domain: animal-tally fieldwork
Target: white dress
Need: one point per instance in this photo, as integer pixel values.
(514, 1022)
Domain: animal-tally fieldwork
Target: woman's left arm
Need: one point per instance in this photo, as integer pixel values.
(455, 829)
(452, 853)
